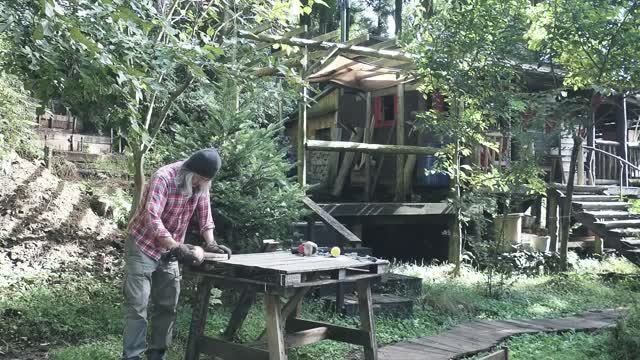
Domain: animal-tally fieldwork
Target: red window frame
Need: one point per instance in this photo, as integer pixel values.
(378, 113)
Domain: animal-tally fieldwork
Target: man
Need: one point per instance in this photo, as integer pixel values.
(156, 245)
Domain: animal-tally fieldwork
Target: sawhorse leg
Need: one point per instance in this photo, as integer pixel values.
(247, 298)
(198, 318)
(367, 321)
(275, 330)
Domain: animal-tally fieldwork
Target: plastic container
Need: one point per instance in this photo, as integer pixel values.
(425, 163)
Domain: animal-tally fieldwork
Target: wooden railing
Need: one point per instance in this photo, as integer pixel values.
(633, 155)
(606, 167)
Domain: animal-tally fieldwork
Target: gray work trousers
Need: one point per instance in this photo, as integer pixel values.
(146, 278)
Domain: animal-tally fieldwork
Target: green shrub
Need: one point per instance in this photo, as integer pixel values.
(252, 197)
(17, 119)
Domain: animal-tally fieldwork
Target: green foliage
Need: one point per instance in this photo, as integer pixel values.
(626, 335)
(595, 42)
(567, 346)
(17, 119)
(66, 310)
(252, 197)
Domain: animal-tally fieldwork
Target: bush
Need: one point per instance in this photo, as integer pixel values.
(17, 115)
(252, 197)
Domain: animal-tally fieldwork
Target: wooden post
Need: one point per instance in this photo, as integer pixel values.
(198, 318)
(591, 141)
(598, 247)
(120, 141)
(580, 165)
(552, 218)
(302, 125)
(367, 321)
(399, 193)
(275, 332)
(367, 158)
(111, 142)
(345, 167)
(334, 157)
(621, 133)
(566, 213)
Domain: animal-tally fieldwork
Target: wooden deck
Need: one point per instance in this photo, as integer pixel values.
(482, 335)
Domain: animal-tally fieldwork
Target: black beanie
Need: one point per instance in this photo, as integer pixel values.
(205, 162)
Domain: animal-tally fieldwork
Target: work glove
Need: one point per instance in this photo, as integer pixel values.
(218, 249)
(188, 254)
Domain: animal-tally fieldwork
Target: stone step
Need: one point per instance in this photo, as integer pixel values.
(608, 205)
(589, 198)
(382, 304)
(618, 224)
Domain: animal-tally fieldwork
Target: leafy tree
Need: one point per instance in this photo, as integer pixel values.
(17, 113)
(468, 53)
(130, 60)
(252, 197)
(596, 43)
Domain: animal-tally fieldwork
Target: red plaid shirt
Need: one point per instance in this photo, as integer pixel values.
(166, 212)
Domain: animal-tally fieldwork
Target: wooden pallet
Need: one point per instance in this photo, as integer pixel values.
(282, 269)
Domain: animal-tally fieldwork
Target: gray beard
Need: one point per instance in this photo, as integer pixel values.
(184, 183)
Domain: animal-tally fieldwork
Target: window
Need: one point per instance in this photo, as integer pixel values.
(385, 109)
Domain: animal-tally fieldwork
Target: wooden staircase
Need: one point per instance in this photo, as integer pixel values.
(608, 217)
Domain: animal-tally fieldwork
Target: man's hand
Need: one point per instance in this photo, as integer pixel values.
(213, 247)
(188, 254)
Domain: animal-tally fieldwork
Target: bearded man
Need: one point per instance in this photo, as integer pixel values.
(155, 246)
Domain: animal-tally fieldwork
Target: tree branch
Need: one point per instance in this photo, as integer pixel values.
(162, 116)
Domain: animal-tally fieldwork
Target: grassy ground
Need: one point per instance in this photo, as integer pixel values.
(79, 317)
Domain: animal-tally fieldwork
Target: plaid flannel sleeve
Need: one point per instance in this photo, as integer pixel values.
(204, 213)
(156, 201)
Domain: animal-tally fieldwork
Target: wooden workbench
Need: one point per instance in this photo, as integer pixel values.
(281, 274)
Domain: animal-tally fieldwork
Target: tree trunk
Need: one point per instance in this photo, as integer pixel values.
(138, 178)
(455, 248)
(566, 213)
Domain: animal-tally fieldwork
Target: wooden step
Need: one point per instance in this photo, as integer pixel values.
(631, 242)
(589, 198)
(610, 214)
(627, 232)
(582, 189)
(608, 205)
(617, 224)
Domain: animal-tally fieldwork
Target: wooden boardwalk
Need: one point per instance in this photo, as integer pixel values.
(482, 335)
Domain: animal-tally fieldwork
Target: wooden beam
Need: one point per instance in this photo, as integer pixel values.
(228, 350)
(368, 135)
(290, 33)
(384, 44)
(353, 49)
(386, 209)
(322, 145)
(331, 221)
(335, 332)
(335, 34)
(306, 337)
(302, 126)
(347, 164)
(400, 195)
